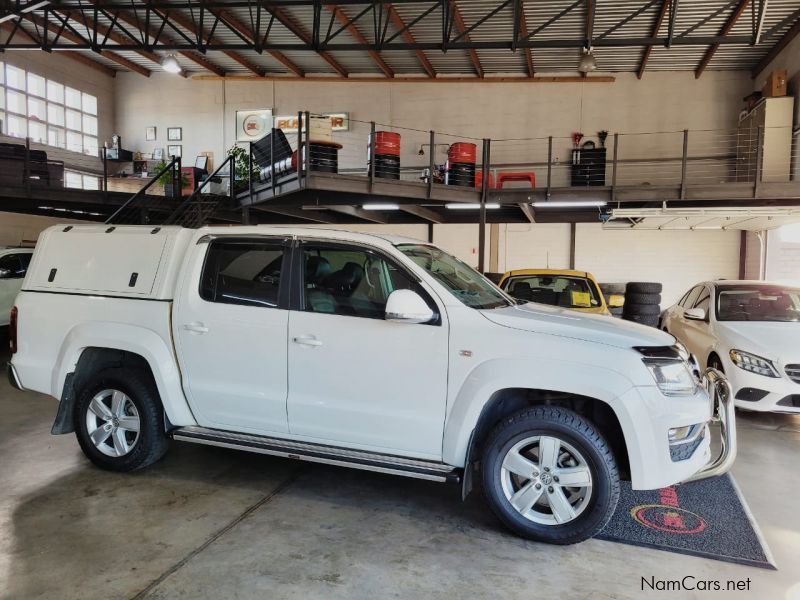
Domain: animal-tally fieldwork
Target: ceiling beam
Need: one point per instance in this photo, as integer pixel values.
(112, 35)
(422, 212)
(523, 30)
(777, 48)
(372, 216)
(189, 25)
(153, 32)
(462, 30)
(344, 20)
(737, 12)
(397, 21)
(245, 31)
(72, 37)
(656, 27)
(284, 19)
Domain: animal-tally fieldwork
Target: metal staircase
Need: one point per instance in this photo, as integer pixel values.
(193, 211)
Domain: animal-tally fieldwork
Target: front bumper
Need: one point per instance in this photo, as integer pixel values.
(722, 411)
(657, 462)
(764, 394)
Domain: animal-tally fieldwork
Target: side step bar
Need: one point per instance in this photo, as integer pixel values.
(331, 455)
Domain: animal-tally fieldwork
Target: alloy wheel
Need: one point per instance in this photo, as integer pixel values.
(113, 423)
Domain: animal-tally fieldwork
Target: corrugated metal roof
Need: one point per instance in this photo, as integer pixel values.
(547, 21)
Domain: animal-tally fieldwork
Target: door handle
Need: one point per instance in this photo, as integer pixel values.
(307, 340)
(195, 327)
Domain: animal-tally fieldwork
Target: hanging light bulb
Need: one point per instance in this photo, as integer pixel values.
(587, 62)
(170, 64)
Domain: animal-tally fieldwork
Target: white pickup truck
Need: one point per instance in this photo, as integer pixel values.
(367, 351)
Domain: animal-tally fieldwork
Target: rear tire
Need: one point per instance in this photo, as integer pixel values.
(119, 420)
(642, 299)
(642, 287)
(549, 447)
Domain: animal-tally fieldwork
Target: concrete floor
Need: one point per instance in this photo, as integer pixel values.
(215, 523)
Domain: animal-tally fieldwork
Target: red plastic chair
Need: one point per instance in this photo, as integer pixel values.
(522, 176)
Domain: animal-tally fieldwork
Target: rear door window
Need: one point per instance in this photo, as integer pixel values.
(247, 272)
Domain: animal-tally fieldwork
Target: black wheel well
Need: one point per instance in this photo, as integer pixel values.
(510, 400)
(93, 360)
(713, 354)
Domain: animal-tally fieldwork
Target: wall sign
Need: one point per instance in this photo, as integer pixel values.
(252, 125)
(339, 122)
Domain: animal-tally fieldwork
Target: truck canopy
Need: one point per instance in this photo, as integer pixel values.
(124, 261)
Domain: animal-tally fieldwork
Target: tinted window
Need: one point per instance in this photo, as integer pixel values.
(758, 303)
(16, 264)
(242, 272)
(703, 301)
(559, 290)
(351, 281)
(688, 302)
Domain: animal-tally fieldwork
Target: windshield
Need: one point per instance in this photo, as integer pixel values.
(758, 303)
(559, 290)
(464, 282)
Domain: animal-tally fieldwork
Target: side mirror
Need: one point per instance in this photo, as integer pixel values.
(5, 273)
(615, 301)
(695, 314)
(405, 306)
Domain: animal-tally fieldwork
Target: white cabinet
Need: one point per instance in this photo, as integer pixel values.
(773, 116)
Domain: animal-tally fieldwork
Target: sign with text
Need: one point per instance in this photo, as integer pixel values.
(339, 122)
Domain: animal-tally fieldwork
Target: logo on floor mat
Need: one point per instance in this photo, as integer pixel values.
(668, 516)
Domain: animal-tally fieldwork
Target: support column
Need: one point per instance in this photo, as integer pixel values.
(573, 231)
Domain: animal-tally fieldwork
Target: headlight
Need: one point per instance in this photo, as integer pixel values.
(753, 363)
(673, 377)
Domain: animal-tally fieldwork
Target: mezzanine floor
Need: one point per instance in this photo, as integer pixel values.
(213, 523)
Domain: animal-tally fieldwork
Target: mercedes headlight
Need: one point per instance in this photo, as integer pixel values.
(753, 364)
(673, 377)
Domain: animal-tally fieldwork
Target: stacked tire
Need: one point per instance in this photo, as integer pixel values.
(613, 289)
(642, 302)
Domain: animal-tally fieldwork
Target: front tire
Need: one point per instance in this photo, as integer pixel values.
(550, 476)
(119, 420)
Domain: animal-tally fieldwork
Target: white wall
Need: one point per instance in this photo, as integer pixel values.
(205, 108)
(783, 255)
(19, 230)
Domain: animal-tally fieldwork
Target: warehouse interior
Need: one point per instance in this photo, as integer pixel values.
(635, 141)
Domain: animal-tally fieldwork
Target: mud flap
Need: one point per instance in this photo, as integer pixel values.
(64, 422)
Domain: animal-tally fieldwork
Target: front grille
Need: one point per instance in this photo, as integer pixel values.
(793, 371)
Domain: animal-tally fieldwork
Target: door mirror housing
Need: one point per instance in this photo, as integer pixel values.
(695, 314)
(616, 301)
(406, 306)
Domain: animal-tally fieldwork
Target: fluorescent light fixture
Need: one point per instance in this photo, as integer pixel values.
(471, 205)
(381, 206)
(569, 204)
(170, 64)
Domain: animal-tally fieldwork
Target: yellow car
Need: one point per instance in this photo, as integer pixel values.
(577, 290)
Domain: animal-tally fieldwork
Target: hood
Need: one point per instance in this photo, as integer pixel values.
(770, 339)
(601, 329)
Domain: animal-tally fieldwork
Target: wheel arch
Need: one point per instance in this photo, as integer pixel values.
(92, 346)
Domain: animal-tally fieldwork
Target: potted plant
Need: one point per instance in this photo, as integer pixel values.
(166, 180)
(241, 168)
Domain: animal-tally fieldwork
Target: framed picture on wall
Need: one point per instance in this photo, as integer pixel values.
(174, 150)
(158, 154)
(174, 134)
(150, 134)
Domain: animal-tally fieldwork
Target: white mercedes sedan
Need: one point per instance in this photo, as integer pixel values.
(749, 330)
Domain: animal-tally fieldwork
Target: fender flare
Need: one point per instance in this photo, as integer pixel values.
(130, 338)
(488, 378)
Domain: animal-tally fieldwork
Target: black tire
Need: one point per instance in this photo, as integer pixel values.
(152, 442)
(641, 309)
(642, 287)
(638, 298)
(568, 427)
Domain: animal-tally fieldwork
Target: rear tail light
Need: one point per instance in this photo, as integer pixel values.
(12, 330)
